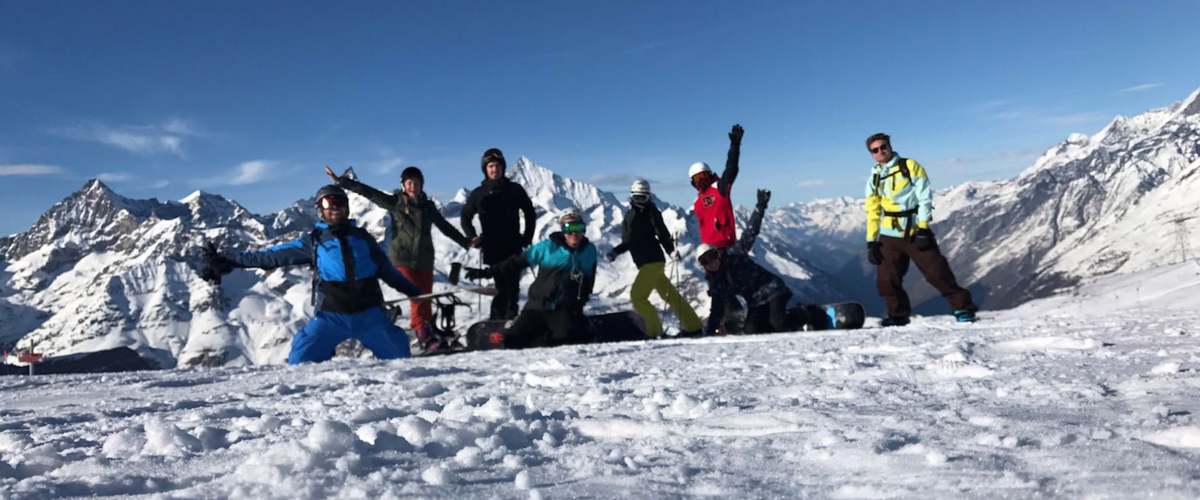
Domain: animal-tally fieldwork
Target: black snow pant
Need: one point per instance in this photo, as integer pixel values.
(889, 279)
(538, 328)
(508, 294)
(770, 317)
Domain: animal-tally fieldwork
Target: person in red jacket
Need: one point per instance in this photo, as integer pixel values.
(714, 211)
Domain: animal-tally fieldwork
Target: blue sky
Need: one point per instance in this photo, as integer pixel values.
(252, 99)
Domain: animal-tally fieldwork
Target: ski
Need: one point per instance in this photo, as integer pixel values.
(481, 290)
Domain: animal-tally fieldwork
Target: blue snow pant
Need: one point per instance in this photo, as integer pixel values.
(317, 340)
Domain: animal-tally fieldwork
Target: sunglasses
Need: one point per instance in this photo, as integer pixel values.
(639, 198)
(573, 227)
(708, 258)
(332, 201)
(885, 147)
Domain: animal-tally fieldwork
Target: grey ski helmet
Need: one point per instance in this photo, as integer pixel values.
(640, 186)
(703, 250)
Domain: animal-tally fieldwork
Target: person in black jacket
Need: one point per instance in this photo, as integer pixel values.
(566, 265)
(499, 203)
(645, 237)
(731, 272)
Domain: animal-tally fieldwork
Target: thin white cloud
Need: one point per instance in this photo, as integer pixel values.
(30, 169)
(617, 179)
(1077, 118)
(1143, 87)
(811, 183)
(252, 172)
(115, 176)
(160, 184)
(146, 140)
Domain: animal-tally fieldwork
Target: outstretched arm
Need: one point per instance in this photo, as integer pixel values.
(660, 230)
(384, 200)
(446, 228)
(295, 252)
(750, 233)
(725, 183)
(388, 272)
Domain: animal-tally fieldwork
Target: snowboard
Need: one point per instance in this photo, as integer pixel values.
(621, 326)
(624, 326)
(833, 316)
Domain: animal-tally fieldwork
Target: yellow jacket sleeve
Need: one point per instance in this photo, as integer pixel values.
(873, 207)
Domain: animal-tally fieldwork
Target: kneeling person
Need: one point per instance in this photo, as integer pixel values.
(731, 272)
(566, 273)
(349, 264)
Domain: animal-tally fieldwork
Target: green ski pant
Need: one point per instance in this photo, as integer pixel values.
(650, 278)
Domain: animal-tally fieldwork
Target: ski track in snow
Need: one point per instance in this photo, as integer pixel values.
(1015, 406)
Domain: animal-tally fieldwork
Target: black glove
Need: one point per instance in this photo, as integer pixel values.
(476, 274)
(924, 240)
(215, 265)
(735, 135)
(764, 196)
(874, 253)
(611, 256)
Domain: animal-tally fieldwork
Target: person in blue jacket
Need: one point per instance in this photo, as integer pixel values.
(566, 263)
(348, 264)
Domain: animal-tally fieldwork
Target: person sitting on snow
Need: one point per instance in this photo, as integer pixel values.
(349, 264)
(731, 272)
(553, 315)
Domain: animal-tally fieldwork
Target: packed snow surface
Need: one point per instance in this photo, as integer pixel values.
(1078, 402)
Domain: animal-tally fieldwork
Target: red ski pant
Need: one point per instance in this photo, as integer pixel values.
(889, 279)
(422, 311)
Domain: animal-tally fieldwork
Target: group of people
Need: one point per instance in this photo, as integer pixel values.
(348, 263)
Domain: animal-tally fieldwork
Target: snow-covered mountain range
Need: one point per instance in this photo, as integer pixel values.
(99, 270)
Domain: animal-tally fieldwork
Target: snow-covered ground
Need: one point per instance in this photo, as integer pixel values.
(1085, 398)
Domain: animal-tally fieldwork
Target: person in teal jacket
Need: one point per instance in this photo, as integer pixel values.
(566, 263)
(899, 209)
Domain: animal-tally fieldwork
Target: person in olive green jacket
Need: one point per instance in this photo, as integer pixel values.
(411, 247)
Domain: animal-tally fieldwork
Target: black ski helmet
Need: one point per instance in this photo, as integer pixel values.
(327, 191)
(412, 173)
(493, 155)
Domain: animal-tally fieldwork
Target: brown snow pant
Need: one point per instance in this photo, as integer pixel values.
(889, 279)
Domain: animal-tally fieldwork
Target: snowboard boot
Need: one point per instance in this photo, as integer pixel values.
(429, 340)
(965, 316)
(894, 321)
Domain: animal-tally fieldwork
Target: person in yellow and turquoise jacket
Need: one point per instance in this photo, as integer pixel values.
(899, 210)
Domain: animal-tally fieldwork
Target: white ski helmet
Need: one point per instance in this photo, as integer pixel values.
(703, 250)
(571, 213)
(640, 186)
(697, 168)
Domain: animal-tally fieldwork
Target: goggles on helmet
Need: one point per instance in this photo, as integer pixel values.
(575, 226)
(639, 198)
(332, 201)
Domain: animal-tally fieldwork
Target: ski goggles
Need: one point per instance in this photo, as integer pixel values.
(639, 198)
(574, 226)
(709, 257)
(333, 201)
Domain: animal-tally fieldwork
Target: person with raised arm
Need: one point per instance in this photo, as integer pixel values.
(410, 249)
